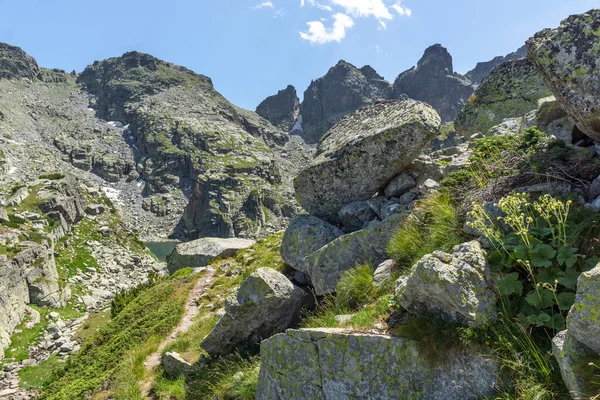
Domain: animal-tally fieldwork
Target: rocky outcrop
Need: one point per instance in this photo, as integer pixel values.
(457, 287)
(282, 109)
(199, 253)
(434, 82)
(511, 90)
(341, 91)
(14, 297)
(573, 359)
(361, 153)
(334, 364)
(368, 246)
(16, 64)
(174, 365)
(567, 60)
(265, 304)
(305, 235)
(483, 69)
(583, 321)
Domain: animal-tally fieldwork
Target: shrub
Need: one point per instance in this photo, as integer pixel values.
(124, 297)
(54, 176)
(355, 287)
(434, 225)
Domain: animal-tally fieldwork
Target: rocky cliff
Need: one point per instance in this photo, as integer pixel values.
(281, 109)
(483, 69)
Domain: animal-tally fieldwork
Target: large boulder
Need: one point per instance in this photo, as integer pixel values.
(511, 90)
(368, 246)
(434, 82)
(457, 287)
(334, 364)
(304, 236)
(361, 153)
(282, 109)
(14, 296)
(342, 90)
(583, 321)
(200, 252)
(567, 60)
(573, 360)
(265, 304)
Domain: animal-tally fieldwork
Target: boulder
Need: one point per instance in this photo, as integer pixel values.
(265, 304)
(573, 358)
(434, 82)
(343, 90)
(305, 235)
(335, 364)
(368, 246)
(95, 209)
(282, 109)
(200, 252)
(567, 60)
(174, 365)
(62, 203)
(583, 321)
(361, 153)
(399, 185)
(356, 216)
(14, 297)
(510, 91)
(457, 287)
(383, 272)
(4, 215)
(17, 197)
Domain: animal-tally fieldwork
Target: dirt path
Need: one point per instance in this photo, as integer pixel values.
(191, 310)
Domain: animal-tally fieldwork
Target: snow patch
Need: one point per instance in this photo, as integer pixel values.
(141, 182)
(116, 124)
(298, 125)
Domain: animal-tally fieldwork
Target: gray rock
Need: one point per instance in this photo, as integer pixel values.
(95, 209)
(399, 185)
(17, 197)
(281, 109)
(16, 64)
(265, 304)
(383, 272)
(595, 188)
(14, 296)
(335, 364)
(360, 155)
(457, 287)
(483, 69)
(305, 235)
(174, 365)
(200, 252)
(572, 358)
(368, 246)
(3, 215)
(566, 58)
(356, 215)
(583, 322)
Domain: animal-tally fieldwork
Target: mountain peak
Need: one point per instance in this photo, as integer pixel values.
(16, 63)
(436, 61)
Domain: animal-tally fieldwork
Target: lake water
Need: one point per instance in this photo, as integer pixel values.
(161, 249)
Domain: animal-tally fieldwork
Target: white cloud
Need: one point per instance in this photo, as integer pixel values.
(314, 3)
(383, 24)
(301, 3)
(365, 8)
(402, 10)
(378, 48)
(319, 34)
(264, 4)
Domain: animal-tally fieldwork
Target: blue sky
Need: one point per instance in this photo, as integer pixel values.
(252, 48)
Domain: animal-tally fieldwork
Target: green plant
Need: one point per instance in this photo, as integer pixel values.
(538, 264)
(434, 225)
(355, 287)
(54, 176)
(126, 296)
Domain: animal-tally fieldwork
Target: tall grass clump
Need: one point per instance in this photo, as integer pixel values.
(435, 224)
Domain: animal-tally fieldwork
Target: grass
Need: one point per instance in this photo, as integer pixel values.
(34, 377)
(92, 325)
(152, 315)
(53, 176)
(354, 288)
(434, 225)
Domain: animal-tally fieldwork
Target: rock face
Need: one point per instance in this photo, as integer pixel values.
(511, 90)
(14, 296)
(266, 303)
(573, 358)
(305, 235)
(16, 64)
(566, 58)
(361, 153)
(282, 109)
(201, 252)
(333, 364)
(326, 265)
(583, 321)
(341, 91)
(483, 69)
(175, 365)
(434, 82)
(457, 287)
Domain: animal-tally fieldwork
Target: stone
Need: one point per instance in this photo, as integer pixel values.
(14, 296)
(566, 58)
(428, 186)
(305, 235)
(200, 252)
(343, 90)
(282, 109)
(483, 69)
(457, 287)
(4, 215)
(572, 358)
(367, 246)
(17, 197)
(383, 272)
(594, 189)
(434, 82)
(265, 304)
(511, 90)
(95, 209)
(399, 185)
(356, 216)
(583, 321)
(174, 365)
(361, 153)
(336, 364)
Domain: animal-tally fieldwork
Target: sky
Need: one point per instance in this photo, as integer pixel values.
(253, 48)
